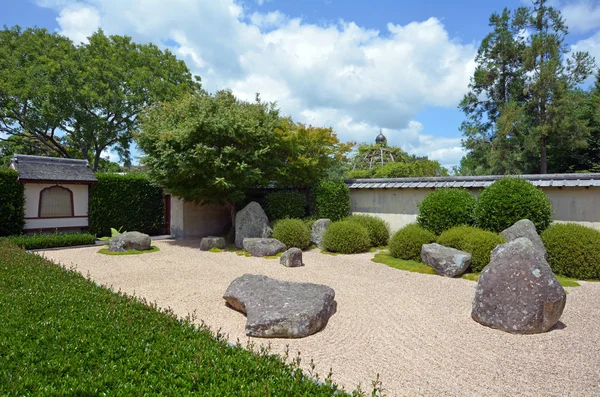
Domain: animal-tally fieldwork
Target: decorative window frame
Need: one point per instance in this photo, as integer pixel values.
(55, 217)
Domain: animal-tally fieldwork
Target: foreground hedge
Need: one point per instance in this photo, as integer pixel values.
(477, 242)
(12, 203)
(573, 250)
(129, 202)
(61, 334)
(407, 242)
(378, 229)
(346, 237)
(292, 233)
(446, 208)
(39, 241)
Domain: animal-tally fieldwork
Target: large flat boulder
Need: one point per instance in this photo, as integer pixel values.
(517, 292)
(318, 230)
(448, 262)
(281, 309)
(263, 246)
(130, 241)
(251, 222)
(524, 228)
(212, 242)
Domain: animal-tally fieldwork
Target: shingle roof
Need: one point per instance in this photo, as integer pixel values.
(546, 180)
(38, 168)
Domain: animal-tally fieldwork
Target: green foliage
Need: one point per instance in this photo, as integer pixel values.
(407, 242)
(12, 203)
(130, 202)
(106, 251)
(401, 264)
(55, 240)
(113, 233)
(94, 91)
(64, 335)
(331, 200)
(280, 205)
(292, 233)
(378, 229)
(346, 237)
(573, 250)
(509, 200)
(479, 243)
(446, 208)
(413, 168)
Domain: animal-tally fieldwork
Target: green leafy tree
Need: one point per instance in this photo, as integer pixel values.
(79, 101)
(210, 148)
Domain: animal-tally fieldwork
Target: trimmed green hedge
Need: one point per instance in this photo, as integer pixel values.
(281, 205)
(378, 229)
(40, 241)
(62, 334)
(346, 237)
(130, 202)
(12, 203)
(292, 233)
(407, 242)
(331, 200)
(445, 208)
(573, 250)
(477, 242)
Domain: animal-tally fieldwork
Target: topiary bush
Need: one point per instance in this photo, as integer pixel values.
(378, 229)
(131, 202)
(330, 199)
(281, 205)
(477, 242)
(346, 237)
(573, 250)
(407, 242)
(292, 233)
(446, 208)
(12, 203)
(509, 200)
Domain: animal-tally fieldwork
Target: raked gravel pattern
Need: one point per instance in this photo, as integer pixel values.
(414, 330)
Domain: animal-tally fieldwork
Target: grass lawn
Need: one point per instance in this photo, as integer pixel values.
(61, 334)
(418, 267)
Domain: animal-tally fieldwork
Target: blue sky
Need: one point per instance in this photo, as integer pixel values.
(357, 66)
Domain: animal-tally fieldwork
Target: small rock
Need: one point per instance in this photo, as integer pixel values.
(448, 262)
(517, 292)
(130, 241)
(251, 222)
(212, 242)
(318, 230)
(524, 228)
(263, 246)
(281, 309)
(292, 258)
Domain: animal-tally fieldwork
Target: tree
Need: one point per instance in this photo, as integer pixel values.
(210, 148)
(307, 153)
(80, 101)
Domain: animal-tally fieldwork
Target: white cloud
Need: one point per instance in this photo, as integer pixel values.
(352, 78)
(591, 45)
(582, 16)
(78, 22)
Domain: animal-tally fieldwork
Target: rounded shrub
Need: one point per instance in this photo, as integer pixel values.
(477, 242)
(446, 208)
(281, 205)
(292, 233)
(330, 199)
(378, 229)
(573, 250)
(346, 237)
(509, 200)
(407, 242)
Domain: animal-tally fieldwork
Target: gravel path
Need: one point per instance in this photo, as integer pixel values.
(414, 330)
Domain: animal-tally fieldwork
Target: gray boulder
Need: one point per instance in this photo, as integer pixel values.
(524, 228)
(263, 246)
(318, 230)
(448, 262)
(292, 258)
(517, 292)
(281, 309)
(251, 222)
(212, 242)
(130, 241)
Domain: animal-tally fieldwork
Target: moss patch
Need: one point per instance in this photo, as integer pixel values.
(324, 251)
(215, 249)
(273, 256)
(471, 276)
(567, 281)
(105, 251)
(242, 253)
(401, 264)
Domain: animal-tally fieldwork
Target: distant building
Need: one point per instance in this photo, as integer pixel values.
(56, 192)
